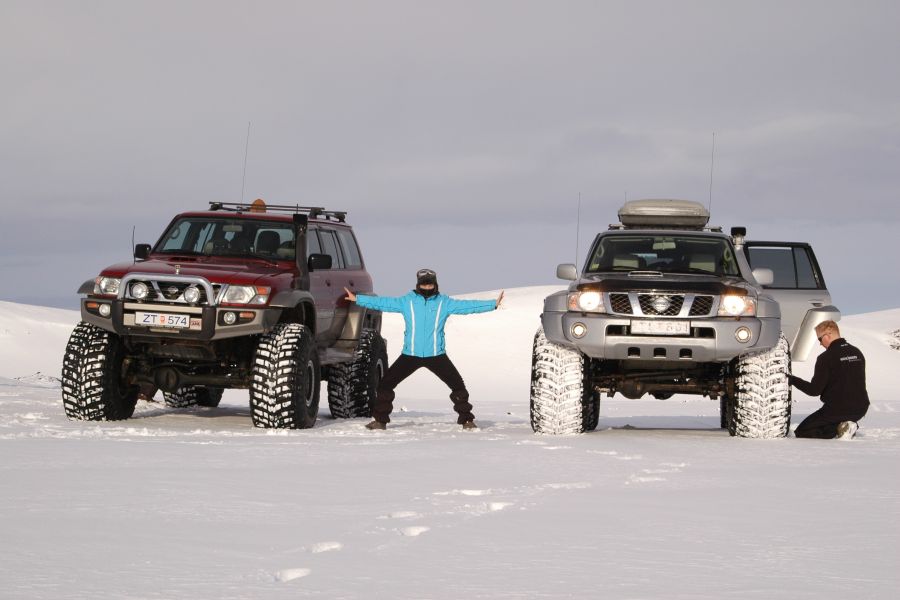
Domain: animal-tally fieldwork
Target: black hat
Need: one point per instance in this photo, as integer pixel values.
(426, 276)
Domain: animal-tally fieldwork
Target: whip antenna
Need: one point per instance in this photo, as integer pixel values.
(133, 257)
(712, 162)
(577, 228)
(246, 148)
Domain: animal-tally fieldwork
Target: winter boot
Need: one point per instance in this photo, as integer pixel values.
(846, 430)
(469, 426)
(376, 426)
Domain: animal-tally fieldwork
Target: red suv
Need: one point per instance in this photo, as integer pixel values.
(239, 296)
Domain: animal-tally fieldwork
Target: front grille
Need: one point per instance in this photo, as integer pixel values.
(620, 304)
(701, 306)
(661, 305)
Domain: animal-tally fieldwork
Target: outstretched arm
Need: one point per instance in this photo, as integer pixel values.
(382, 303)
(468, 307)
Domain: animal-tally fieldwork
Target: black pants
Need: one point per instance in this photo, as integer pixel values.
(405, 366)
(823, 425)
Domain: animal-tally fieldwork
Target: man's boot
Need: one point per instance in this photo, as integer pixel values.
(376, 426)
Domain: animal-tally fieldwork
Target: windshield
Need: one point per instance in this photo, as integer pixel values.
(206, 236)
(666, 253)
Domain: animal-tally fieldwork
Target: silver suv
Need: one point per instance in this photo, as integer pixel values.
(666, 304)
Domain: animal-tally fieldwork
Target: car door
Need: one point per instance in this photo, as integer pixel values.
(798, 286)
(335, 280)
(321, 288)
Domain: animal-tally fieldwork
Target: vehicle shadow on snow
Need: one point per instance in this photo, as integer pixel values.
(669, 423)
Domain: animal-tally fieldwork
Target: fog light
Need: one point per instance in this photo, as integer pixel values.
(743, 334)
(579, 329)
(104, 310)
(229, 318)
(192, 294)
(139, 290)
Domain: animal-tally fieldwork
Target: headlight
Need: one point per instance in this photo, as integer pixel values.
(246, 294)
(737, 306)
(192, 294)
(139, 290)
(586, 301)
(107, 286)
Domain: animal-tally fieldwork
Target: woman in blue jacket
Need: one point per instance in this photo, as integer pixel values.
(425, 311)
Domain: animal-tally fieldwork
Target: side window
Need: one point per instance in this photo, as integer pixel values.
(351, 250)
(312, 242)
(806, 276)
(330, 247)
(791, 265)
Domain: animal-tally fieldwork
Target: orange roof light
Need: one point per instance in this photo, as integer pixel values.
(258, 205)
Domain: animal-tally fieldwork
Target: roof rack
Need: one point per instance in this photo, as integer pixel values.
(314, 212)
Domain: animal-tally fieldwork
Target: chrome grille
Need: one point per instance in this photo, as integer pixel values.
(701, 306)
(620, 304)
(663, 305)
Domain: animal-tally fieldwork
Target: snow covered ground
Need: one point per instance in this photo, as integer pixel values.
(657, 503)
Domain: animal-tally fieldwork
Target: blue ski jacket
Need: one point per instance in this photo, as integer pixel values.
(425, 318)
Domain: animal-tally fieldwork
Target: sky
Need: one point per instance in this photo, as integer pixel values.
(458, 135)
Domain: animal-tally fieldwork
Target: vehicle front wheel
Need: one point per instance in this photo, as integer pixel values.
(762, 403)
(94, 387)
(561, 399)
(284, 391)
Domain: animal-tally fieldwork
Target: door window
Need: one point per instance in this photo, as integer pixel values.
(792, 266)
(330, 247)
(351, 250)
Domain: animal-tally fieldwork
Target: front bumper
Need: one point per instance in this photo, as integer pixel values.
(709, 339)
(206, 322)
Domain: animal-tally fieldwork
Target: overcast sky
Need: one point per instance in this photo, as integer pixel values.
(458, 135)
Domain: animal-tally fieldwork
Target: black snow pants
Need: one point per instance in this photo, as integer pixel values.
(823, 424)
(405, 366)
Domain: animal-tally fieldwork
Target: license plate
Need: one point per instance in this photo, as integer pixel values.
(661, 327)
(149, 319)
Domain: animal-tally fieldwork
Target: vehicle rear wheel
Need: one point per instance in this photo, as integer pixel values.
(284, 391)
(726, 412)
(93, 377)
(193, 396)
(762, 403)
(352, 385)
(560, 401)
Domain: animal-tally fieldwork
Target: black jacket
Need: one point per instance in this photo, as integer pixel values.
(840, 379)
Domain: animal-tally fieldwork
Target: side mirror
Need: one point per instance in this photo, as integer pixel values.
(142, 251)
(764, 277)
(567, 271)
(319, 262)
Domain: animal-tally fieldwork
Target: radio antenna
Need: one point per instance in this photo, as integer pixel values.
(712, 163)
(133, 257)
(577, 228)
(246, 148)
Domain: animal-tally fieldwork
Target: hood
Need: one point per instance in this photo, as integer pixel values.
(668, 282)
(214, 269)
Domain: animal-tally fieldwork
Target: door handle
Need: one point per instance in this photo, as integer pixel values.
(328, 282)
(817, 303)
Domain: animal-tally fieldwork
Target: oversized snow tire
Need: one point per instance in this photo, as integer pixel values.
(193, 396)
(762, 403)
(93, 386)
(561, 401)
(352, 385)
(284, 391)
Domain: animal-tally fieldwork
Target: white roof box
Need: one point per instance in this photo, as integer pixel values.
(664, 214)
